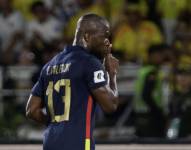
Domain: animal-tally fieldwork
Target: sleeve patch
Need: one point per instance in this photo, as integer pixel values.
(99, 76)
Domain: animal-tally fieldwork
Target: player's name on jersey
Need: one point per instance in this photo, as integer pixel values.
(57, 69)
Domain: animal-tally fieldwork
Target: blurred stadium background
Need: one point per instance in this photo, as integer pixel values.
(33, 31)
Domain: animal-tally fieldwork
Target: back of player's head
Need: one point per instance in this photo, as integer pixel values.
(90, 23)
(92, 33)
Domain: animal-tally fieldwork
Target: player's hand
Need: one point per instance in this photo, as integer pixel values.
(111, 64)
(107, 47)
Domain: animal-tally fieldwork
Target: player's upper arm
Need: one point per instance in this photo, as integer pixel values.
(35, 101)
(96, 78)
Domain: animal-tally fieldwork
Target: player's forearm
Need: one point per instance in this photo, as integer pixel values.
(113, 84)
(113, 89)
(37, 115)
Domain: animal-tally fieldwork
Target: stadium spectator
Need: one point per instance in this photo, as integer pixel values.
(44, 27)
(25, 57)
(9, 120)
(153, 14)
(141, 4)
(43, 31)
(182, 38)
(23, 6)
(180, 105)
(11, 28)
(115, 11)
(64, 9)
(134, 35)
(149, 105)
(169, 11)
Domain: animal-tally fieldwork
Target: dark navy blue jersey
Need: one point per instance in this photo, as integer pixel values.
(65, 86)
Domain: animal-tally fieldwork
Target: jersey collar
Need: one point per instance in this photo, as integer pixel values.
(71, 48)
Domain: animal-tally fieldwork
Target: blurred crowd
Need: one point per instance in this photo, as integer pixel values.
(34, 30)
(150, 33)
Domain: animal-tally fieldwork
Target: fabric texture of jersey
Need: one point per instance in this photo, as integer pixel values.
(65, 85)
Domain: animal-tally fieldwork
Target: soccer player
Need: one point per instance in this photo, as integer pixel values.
(71, 85)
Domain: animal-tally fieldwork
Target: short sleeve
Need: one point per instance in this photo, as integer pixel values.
(37, 89)
(95, 73)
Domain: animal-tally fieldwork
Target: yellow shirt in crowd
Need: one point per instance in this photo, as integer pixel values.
(170, 9)
(24, 6)
(134, 44)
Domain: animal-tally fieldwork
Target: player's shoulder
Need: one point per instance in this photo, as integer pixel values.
(44, 69)
(94, 65)
(52, 61)
(81, 54)
(70, 53)
(93, 60)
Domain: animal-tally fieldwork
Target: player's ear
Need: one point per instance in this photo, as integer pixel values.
(86, 37)
(86, 40)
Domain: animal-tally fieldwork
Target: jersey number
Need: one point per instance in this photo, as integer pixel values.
(66, 99)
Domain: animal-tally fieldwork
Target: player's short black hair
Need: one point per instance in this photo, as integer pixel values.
(89, 23)
(158, 48)
(91, 20)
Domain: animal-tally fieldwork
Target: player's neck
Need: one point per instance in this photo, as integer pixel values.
(79, 42)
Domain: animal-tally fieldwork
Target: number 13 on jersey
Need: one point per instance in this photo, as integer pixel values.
(66, 99)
